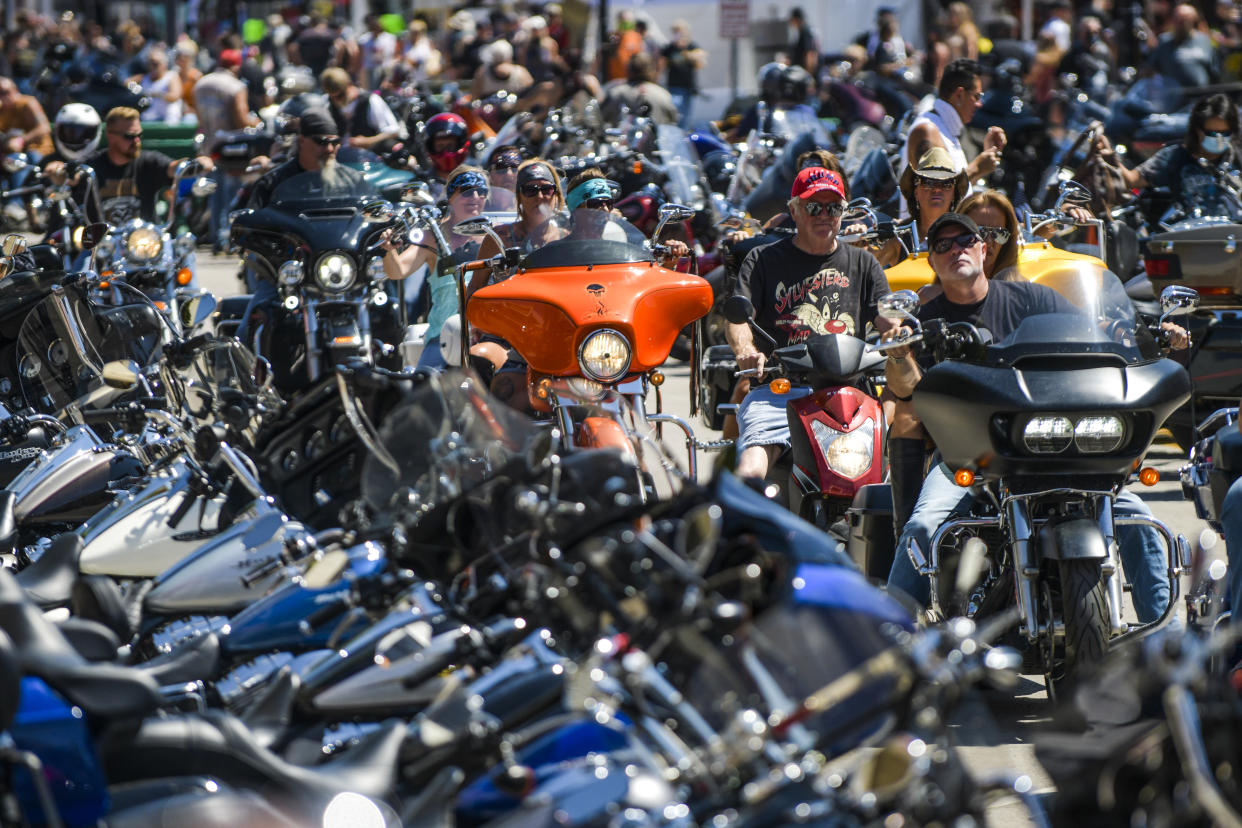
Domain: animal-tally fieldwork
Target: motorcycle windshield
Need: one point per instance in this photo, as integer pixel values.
(587, 237)
(447, 439)
(64, 344)
(797, 122)
(334, 182)
(677, 155)
(222, 383)
(1096, 316)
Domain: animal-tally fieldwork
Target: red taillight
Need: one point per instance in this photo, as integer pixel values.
(1157, 268)
(1215, 291)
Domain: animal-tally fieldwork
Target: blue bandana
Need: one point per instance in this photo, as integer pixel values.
(589, 189)
(466, 181)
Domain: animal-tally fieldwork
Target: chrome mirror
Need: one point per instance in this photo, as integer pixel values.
(477, 226)
(1074, 194)
(900, 304)
(377, 211)
(121, 374)
(6, 267)
(197, 309)
(417, 193)
(1178, 300)
(12, 245)
(669, 213)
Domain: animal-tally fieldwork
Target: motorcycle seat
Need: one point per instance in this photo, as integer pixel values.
(273, 711)
(49, 580)
(194, 660)
(100, 689)
(219, 745)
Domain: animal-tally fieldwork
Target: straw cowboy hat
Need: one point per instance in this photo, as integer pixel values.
(935, 163)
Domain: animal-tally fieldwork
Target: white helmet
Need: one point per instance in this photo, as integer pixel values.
(77, 131)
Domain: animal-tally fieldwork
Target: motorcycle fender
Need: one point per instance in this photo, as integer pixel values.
(1072, 540)
(603, 433)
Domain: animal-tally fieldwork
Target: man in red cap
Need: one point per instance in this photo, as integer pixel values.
(802, 286)
(222, 105)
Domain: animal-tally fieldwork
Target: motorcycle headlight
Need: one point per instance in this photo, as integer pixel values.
(184, 244)
(1099, 434)
(335, 272)
(290, 273)
(849, 454)
(1048, 435)
(144, 244)
(605, 355)
(375, 269)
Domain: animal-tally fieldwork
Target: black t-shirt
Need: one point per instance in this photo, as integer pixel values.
(798, 295)
(129, 190)
(1002, 309)
(682, 73)
(1194, 186)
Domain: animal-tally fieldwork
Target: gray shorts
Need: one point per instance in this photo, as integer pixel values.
(761, 418)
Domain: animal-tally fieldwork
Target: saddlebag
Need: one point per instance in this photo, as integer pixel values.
(1205, 258)
(871, 541)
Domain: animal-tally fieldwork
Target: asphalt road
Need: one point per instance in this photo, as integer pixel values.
(990, 740)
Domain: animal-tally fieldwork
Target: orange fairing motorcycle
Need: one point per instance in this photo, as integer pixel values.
(594, 315)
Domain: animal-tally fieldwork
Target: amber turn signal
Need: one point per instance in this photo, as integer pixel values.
(184, 275)
(1149, 476)
(964, 477)
(779, 386)
(657, 379)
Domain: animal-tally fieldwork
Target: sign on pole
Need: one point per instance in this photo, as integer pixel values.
(734, 18)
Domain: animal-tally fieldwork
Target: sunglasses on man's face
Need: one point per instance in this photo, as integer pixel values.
(325, 141)
(532, 190)
(1000, 235)
(505, 166)
(598, 204)
(129, 136)
(946, 243)
(830, 208)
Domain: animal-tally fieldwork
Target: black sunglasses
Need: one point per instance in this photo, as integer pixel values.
(507, 166)
(598, 203)
(325, 141)
(533, 190)
(832, 208)
(129, 136)
(945, 243)
(1000, 235)
(935, 183)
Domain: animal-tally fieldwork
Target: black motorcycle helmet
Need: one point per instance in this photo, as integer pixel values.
(794, 84)
(719, 166)
(770, 81)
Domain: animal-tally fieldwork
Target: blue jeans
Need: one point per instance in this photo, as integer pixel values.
(431, 359)
(761, 418)
(1231, 522)
(683, 99)
(267, 296)
(1143, 554)
(221, 200)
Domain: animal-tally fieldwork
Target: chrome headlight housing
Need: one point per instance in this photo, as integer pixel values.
(1048, 434)
(605, 355)
(375, 269)
(849, 453)
(335, 271)
(1099, 434)
(290, 273)
(143, 244)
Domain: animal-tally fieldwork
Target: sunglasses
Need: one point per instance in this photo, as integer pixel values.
(831, 208)
(1000, 235)
(945, 243)
(325, 141)
(598, 204)
(472, 191)
(935, 183)
(505, 166)
(1217, 134)
(532, 190)
(129, 136)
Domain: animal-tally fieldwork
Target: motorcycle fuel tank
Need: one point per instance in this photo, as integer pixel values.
(69, 482)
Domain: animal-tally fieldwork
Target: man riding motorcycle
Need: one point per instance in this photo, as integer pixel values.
(957, 253)
(317, 144)
(800, 286)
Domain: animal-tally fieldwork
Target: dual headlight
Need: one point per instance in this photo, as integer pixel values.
(1090, 434)
(605, 355)
(849, 454)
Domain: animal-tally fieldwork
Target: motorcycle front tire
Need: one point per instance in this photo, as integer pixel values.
(1084, 607)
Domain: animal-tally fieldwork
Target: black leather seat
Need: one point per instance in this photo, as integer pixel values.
(272, 712)
(106, 690)
(195, 660)
(49, 580)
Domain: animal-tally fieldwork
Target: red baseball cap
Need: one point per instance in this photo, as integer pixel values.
(231, 58)
(814, 180)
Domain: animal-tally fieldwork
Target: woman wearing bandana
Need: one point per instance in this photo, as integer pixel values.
(467, 191)
(591, 191)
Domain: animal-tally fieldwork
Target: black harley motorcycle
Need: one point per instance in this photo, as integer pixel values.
(316, 241)
(1045, 428)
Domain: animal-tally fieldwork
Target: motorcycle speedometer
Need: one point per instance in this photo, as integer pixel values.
(605, 355)
(335, 272)
(29, 367)
(144, 244)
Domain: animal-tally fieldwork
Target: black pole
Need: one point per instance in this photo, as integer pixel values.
(603, 36)
(170, 22)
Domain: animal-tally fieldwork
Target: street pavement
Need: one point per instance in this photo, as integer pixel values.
(990, 740)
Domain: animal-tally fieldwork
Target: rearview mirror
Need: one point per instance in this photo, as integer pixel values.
(669, 213)
(477, 226)
(1074, 194)
(121, 374)
(377, 211)
(197, 309)
(1178, 300)
(12, 245)
(93, 234)
(900, 304)
(416, 193)
(6, 266)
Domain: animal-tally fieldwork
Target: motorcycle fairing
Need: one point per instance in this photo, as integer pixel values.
(842, 409)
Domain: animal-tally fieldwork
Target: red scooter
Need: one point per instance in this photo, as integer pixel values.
(837, 432)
